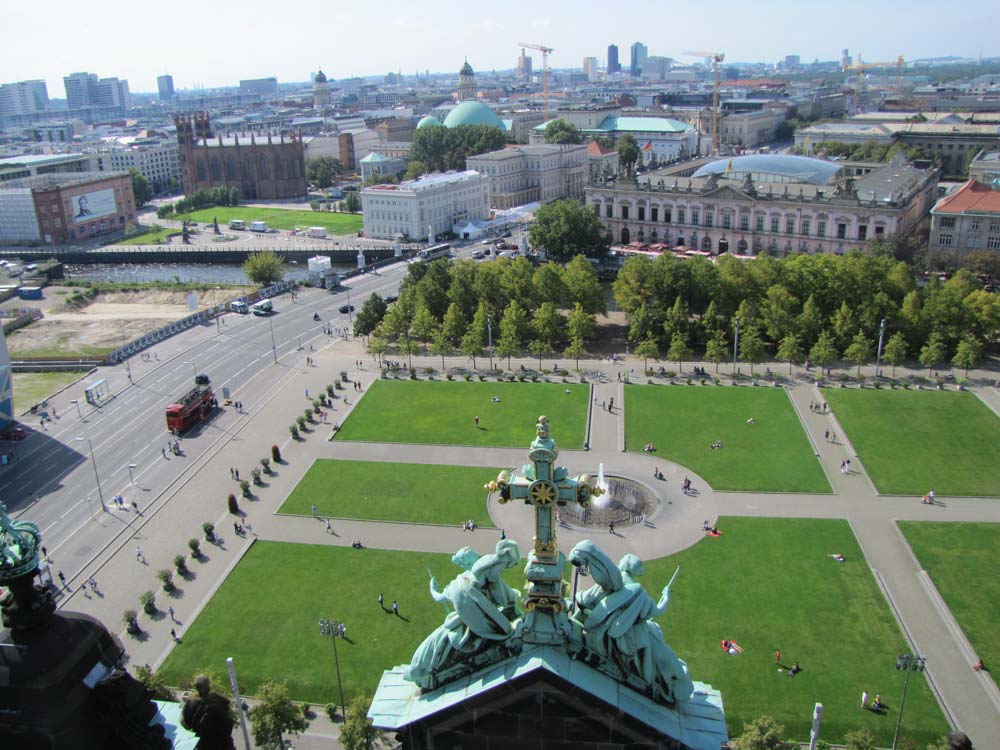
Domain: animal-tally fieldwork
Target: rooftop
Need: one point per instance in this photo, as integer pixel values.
(785, 167)
(642, 125)
(972, 198)
(60, 179)
(29, 160)
(424, 182)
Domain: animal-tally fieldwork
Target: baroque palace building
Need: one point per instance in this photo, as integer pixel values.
(261, 167)
(775, 203)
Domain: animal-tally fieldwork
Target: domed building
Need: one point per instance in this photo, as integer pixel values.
(466, 83)
(765, 203)
(321, 91)
(428, 121)
(473, 113)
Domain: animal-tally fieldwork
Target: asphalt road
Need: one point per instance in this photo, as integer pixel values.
(52, 480)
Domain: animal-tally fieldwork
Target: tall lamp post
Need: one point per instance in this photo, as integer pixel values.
(194, 367)
(489, 339)
(97, 476)
(907, 663)
(130, 475)
(878, 356)
(274, 348)
(332, 629)
(79, 413)
(736, 343)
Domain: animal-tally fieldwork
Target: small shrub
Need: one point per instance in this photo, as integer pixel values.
(148, 601)
(131, 623)
(166, 578)
(234, 507)
(245, 487)
(450, 377)
(482, 378)
(583, 379)
(690, 382)
(209, 529)
(306, 710)
(670, 374)
(716, 381)
(338, 386)
(265, 464)
(343, 376)
(195, 546)
(180, 564)
(301, 422)
(329, 388)
(317, 404)
(331, 712)
(294, 431)
(275, 454)
(468, 378)
(255, 473)
(413, 374)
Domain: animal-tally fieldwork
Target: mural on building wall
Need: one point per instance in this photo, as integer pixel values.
(93, 205)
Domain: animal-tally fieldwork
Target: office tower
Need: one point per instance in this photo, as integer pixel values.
(87, 90)
(165, 85)
(524, 67)
(613, 65)
(23, 98)
(639, 54)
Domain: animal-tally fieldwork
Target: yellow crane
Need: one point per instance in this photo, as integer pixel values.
(859, 76)
(716, 58)
(545, 69)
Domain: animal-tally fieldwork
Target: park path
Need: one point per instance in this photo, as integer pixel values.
(163, 531)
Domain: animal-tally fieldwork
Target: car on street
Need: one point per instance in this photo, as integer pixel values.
(389, 299)
(346, 309)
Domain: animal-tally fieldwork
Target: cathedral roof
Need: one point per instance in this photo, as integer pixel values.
(473, 112)
(320, 77)
(466, 69)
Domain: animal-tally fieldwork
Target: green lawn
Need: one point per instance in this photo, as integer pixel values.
(416, 493)
(915, 441)
(955, 554)
(32, 387)
(682, 422)
(442, 412)
(766, 583)
(278, 218)
(158, 237)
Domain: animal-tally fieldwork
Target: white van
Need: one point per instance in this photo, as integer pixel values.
(239, 306)
(317, 232)
(237, 224)
(258, 226)
(263, 307)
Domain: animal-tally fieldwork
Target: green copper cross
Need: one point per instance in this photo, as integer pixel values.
(544, 486)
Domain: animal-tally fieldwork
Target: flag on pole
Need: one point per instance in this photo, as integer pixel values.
(729, 167)
(648, 146)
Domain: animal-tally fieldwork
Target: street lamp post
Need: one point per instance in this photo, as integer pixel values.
(128, 365)
(331, 629)
(97, 476)
(130, 475)
(878, 356)
(194, 367)
(736, 344)
(489, 337)
(79, 413)
(274, 348)
(908, 663)
(239, 702)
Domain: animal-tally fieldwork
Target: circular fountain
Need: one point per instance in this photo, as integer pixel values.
(623, 502)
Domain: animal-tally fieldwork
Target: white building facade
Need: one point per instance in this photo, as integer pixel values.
(529, 174)
(158, 162)
(434, 203)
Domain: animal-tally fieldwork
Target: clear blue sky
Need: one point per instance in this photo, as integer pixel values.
(214, 44)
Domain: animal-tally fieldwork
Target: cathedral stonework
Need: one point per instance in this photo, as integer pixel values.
(260, 169)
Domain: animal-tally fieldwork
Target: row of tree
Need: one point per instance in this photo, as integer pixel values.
(202, 198)
(819, 307)
(765, 733)
(323, 171)
(465, 305)
(868, 151)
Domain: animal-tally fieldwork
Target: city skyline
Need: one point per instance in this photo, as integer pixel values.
(210, 51)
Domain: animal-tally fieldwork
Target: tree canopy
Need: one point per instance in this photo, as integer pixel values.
(140, 187)
(264, 268)
(565, 228)
(439, 148)
(562, 133)
(323, 170)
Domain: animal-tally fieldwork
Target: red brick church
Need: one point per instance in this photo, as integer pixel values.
(261, 167)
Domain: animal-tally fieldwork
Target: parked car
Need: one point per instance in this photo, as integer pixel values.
(346, 309)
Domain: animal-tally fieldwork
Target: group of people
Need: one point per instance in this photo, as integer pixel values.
(686, 485)
(717, 445)
(356, 544)
(877, 706)
(469, 525)
(819, 407)
(649, 448)
(657, 474)
(928, 499)
(731, 647)
(710, 529)
(240, 529)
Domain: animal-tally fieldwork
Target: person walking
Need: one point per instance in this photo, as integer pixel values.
(864, 699)
(93, 584)
(173, 635)
(139, 556)
(314, 510)
(170, 610)
(826, 436)
(395, 608)
(237, 472)
(777, 656)
(62, 578)
(611, 527)
(381, 601)
(329, 527)
(476, 420)
(164, 452)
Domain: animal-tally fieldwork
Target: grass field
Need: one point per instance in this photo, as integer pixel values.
(915, 441)
(415, 493)
(442, 412)
(765, 583)
(157, 237)
(32, 387)
(772, 455)
(278, 218)
(955, 554)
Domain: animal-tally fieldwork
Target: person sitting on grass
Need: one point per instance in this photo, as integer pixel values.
(838, 557)
(795, 669)
(716, 445)
(751, 421)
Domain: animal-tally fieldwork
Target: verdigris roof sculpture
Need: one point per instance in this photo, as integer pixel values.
(609, 625)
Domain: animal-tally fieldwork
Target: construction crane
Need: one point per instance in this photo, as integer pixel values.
(859, 76)
(545, 69)
(716, 58)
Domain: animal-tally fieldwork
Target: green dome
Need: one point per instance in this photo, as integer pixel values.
(473, 113)
(428, 120)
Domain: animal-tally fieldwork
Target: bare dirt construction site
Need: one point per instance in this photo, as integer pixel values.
(94, 326)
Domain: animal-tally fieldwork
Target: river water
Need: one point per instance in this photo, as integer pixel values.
(214, 273)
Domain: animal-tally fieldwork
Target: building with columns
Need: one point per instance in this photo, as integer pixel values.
(321, 91)
(775, 203)
(432, 204)
(466, 83)
(529, 174)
